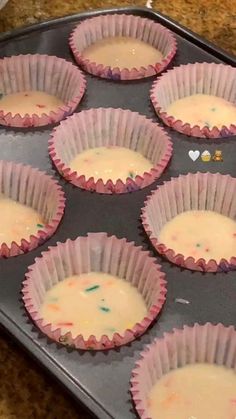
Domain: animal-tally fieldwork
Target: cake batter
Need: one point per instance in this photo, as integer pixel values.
(110, 163)
(203, 110)
(17, 221)
(201, 234)
(123, 52)
(93, 303)
(199, 391)
(29, 102)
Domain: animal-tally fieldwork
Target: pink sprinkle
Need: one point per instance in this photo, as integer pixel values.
(207, 250)
(234, 235)
(173, 238)
(233, 401)
(41, 106)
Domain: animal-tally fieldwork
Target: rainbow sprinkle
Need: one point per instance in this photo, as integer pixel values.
(105, 309)
(93, 288)
(53, 299)
(65, 324)
(40, 225)
(111, 329)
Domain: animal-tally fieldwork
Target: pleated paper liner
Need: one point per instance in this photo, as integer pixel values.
(100, 253)
(194, 191)
(48, 74)
(35, 189)
(199, 78)
(109, 127)
(3, 3)
(208, 343)
(93, 30)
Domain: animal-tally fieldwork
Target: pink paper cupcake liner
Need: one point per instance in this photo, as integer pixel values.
(93, 30)
(100, 253)
(208, 343)
(194, 191)
(109, 127)
(48, 74)
(199, 78)
(35, 189)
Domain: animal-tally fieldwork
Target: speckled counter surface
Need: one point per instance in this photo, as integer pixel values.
(25, 391)
(213, 19)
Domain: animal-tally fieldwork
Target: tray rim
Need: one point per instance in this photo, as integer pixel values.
(29, 345)
(169, 22)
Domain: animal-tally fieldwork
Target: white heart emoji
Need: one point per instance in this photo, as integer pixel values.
(194, 154)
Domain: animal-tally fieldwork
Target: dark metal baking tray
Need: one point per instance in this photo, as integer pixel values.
(101, 380)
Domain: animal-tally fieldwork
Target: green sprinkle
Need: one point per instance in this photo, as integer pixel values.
(111, 329)
(93, 288)
(106, 309)
(97, 152)
(102, 299)
(198, 245)
(131, 174)
(213, 109)
(54, 299)
(40, 225)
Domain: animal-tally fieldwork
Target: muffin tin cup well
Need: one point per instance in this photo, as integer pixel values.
(48, 74)
(93, 30)
(100, 253)
(194, 191)
(109, 127)
(208, 343)
(199, 78)
(35, 189)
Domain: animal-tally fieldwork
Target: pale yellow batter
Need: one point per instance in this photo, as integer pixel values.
(110, 163)
(29, 102)
(199, 391)
(201, 234)
(17, 221)
(93, 304)
(123, 52)
(203, 110)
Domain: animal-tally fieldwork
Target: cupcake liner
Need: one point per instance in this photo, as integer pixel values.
(100, 253)
(194, 191)
(93, 30)
(114, 127)
(199, 78)
(44, 73)
(35, 189)
(208, 343)
(3, 3)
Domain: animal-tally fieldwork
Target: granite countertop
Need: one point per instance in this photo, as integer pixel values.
(25, 391)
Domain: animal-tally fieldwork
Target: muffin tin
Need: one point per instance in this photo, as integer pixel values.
(101, 380)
